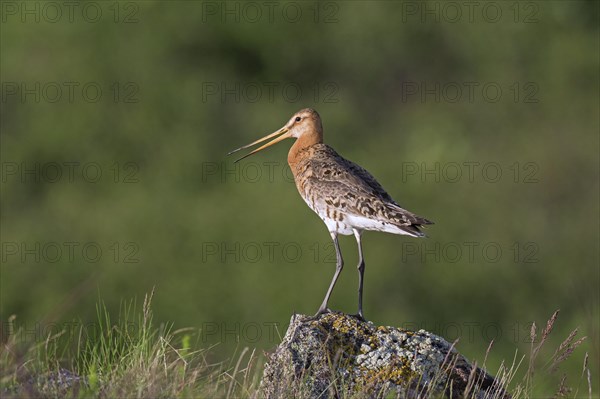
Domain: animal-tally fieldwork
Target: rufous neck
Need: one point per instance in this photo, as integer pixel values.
(301, 144)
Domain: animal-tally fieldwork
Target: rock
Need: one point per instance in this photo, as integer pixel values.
(338, 356)
(53, 384)
(58, 382)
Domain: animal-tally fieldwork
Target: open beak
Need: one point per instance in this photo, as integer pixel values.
(282, 133)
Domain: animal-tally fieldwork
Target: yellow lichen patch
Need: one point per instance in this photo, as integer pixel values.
(339, 325)
(374, 341)
(398, 373)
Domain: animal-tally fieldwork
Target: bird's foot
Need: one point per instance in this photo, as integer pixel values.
(320, 312)
(359, 316)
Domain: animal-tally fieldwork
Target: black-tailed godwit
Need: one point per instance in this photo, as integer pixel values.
(343, 194)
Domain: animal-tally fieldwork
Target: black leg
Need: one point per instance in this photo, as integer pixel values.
(361, 272)
(338, 269)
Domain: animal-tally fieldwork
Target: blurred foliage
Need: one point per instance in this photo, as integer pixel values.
(179, 83)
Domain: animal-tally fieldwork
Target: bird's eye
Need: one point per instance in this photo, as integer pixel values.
(298, 119)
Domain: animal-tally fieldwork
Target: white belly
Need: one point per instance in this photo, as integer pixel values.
(334, 225)
(337, 227)
(345, 224)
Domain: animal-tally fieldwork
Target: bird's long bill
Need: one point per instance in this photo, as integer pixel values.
(282, 133)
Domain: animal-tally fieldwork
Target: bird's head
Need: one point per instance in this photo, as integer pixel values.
(304, 124)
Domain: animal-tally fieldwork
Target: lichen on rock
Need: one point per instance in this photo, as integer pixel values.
(336, 355)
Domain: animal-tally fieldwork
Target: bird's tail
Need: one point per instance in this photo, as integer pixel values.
(408, 222)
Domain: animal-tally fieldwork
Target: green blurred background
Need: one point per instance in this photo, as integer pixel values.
(414, 92)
